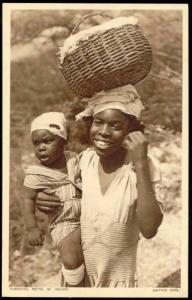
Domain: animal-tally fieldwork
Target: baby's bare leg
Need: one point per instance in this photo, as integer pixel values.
(71, 252)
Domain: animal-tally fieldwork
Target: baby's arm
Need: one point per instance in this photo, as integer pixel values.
(34, 235)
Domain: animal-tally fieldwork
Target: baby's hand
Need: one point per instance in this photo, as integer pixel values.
(35, 237)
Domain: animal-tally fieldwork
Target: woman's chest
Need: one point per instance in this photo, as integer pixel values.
(110, 199)
(105, 180)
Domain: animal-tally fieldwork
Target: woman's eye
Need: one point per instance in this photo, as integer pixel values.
(97, 122)
(116, 127)
(48, 141)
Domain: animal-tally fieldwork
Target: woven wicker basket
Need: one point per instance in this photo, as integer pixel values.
(107, 60)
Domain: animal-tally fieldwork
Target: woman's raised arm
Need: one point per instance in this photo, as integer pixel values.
(149, 215)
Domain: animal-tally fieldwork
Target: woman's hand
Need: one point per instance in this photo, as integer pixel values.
(136, 144)
(48, 202)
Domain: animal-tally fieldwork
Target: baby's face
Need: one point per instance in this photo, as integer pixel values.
(48, 147)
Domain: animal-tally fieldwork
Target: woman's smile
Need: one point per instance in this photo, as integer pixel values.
(108, 131)
(102, 143)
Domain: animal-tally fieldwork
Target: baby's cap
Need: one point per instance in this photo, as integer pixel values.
(54, 122)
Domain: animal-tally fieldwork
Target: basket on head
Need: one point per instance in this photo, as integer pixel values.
(106, 56)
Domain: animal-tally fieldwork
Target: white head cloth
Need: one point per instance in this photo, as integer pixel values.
(54, 122)
(125, 99)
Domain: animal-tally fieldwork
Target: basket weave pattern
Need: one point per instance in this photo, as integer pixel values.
(107, 60)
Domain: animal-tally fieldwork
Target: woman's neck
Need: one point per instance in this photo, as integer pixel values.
(113, 162)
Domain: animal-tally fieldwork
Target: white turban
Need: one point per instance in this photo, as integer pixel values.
(54, 122)
(125, 99)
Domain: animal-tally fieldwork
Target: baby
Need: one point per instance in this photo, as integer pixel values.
(55, 170)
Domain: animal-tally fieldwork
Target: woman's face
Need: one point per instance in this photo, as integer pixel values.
(48, 147)
(108, 131)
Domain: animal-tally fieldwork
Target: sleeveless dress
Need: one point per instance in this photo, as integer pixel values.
(66, 187)
(109, 228)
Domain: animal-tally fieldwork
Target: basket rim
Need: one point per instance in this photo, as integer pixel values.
(74, 40)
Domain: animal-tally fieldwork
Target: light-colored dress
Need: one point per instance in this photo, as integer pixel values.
(66, 186)
(109, 228)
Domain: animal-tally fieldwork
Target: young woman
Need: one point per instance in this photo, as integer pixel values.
(120, 185)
